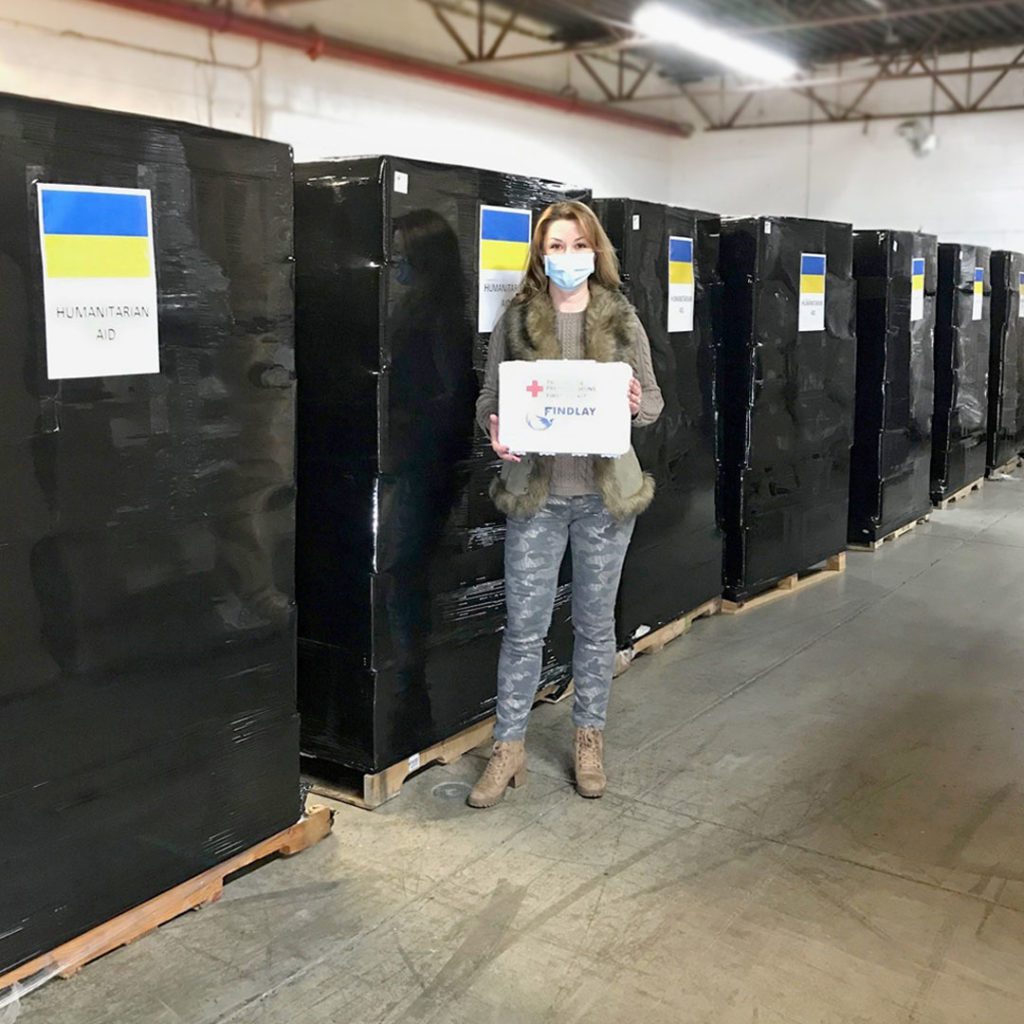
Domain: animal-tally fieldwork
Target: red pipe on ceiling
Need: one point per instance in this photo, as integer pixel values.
(315, 45)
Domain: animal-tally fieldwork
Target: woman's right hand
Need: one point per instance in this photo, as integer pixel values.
(501, 450)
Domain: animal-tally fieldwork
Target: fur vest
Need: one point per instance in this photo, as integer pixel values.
(609, 335)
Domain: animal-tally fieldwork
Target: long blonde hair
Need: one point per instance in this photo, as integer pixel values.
(606, 263)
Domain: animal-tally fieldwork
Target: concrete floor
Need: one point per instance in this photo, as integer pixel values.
(815, 816)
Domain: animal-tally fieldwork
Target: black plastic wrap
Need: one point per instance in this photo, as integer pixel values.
(962, 346)
(148, 725)
(786, 401)
(400, 556)
(1006, 360)
(890, 474)
(674, 562)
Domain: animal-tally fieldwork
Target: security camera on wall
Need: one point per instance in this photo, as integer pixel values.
(920, 136)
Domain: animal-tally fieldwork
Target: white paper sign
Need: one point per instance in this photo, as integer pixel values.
(979, 293)
(812, 292)
(564, 407)
(680, 284)
(99, 281)
(917, 289)
(504, 254)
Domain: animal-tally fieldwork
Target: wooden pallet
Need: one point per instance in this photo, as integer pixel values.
(1008, 467)
(834, 566)
(655, 641)
(944, 503)
(200, 891)
(370, 791)
(895, 535)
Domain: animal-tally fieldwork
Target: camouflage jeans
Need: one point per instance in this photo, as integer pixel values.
(534, 547)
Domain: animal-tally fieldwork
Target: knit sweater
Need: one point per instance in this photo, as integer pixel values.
(572, 474)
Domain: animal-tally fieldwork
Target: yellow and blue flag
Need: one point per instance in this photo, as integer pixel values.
(1021, 286)
(917, 289)
(680, 261)
(812, 274)
(504, 238)
(681, 292)
(979, 280)
(917, 275)
(95, 233)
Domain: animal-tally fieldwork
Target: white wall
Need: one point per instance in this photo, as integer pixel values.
(77, 51)
(341, 109)
(970, 189)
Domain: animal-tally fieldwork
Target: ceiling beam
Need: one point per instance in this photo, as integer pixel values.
(958, 105)
(453, 32)
(584, 48)
(731, 123)
(885, 63)
(996, 81)
(865, 118)
(883, 68)
(317, 46)
(640, 79)
(873, 79)
(925, 10)
(498, 21)
(928, 10)
(708, 119)
(510, 22)
(597, 79)
(821, 104)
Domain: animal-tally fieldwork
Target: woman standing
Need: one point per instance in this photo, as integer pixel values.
(569, 307)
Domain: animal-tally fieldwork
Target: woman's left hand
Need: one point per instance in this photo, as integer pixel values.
(635, 395)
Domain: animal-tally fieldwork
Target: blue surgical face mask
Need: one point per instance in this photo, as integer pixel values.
(403, 271)
(568, 270)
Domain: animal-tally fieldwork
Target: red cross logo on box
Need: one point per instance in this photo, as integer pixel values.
(535, 389)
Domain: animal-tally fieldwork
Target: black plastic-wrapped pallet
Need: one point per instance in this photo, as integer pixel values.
(1006, 361)
(148, 725)
(890, 475)
(786, 397)
(962, 347)
(400, 555)
(675, 558)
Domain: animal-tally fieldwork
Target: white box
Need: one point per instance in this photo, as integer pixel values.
(564, 407)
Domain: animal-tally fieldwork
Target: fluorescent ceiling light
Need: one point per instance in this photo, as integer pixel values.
(664, 24)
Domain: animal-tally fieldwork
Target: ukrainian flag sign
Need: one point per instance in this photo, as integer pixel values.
(1020, 307)
(504, 254)
(680, 284)
(99, 281)
(812, 292)
(916, 289)
(979, 293)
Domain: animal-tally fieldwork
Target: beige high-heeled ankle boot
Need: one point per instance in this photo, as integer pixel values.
(588, 754)
(507, 767)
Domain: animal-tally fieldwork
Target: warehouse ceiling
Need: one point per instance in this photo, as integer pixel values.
(813, 32)
(857, 59)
